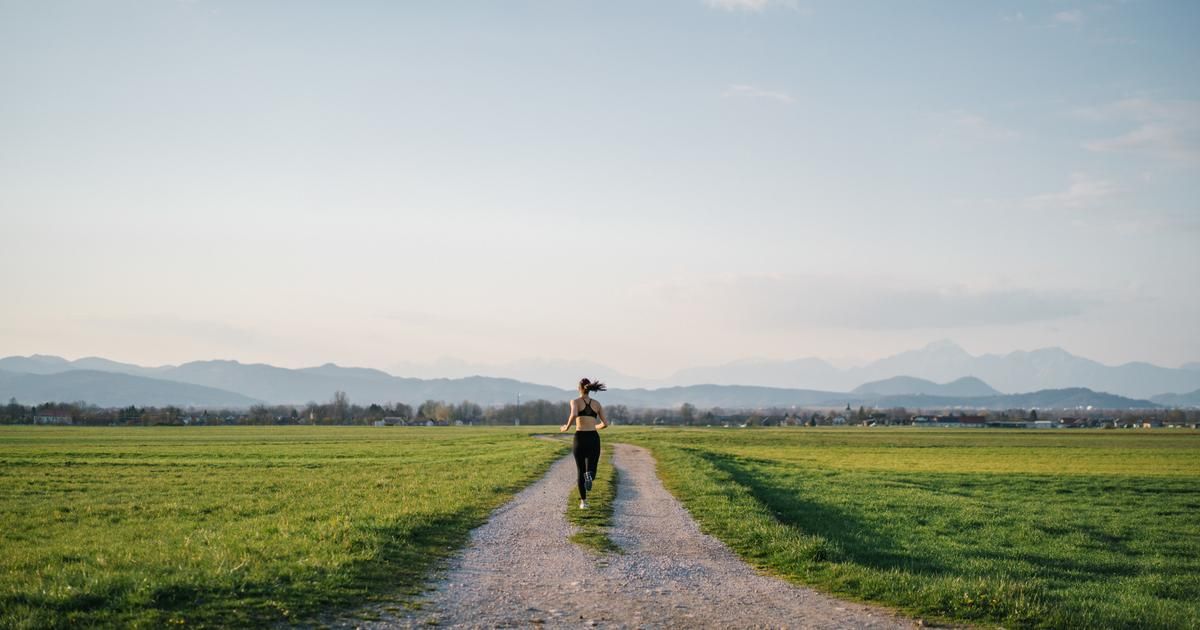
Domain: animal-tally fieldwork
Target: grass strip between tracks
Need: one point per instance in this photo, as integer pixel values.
(594, 523)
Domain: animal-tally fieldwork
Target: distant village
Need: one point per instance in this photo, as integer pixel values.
(966, 421)
(956, 419)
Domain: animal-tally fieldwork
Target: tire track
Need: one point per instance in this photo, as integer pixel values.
(519, 570)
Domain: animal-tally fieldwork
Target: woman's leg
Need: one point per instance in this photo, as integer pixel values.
(579, 450)
(593, 458)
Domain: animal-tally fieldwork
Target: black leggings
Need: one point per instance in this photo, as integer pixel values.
(586, 448)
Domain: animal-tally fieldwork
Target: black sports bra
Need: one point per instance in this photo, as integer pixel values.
(587, 410)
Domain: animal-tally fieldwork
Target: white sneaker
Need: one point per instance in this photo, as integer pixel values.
(583, 505)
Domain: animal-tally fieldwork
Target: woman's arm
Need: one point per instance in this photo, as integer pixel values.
(571, 418)
(603, 417)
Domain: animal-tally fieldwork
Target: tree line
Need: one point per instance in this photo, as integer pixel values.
(340, 410)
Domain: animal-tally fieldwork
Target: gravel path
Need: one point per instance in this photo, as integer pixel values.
(520, 570)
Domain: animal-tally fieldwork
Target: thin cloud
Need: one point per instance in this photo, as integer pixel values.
(1149, 223)
(1073, 17)
(1084, 191)
(974, 126)
(1160, 140)
(795, 301)
(1168, 130)
(748, 6)
(1076, 19)
(751, 91)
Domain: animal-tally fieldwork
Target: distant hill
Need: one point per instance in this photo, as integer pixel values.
(35, 364)
(966, 386)
(48, 364)
(811, 373)
(333, 370)
(551, 372)
(728, 396)
(105, 365)
(486, 390)
(112, 389)
(1191, 399)
(1069, 398)
(265, 382)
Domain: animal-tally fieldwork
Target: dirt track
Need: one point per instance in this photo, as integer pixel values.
(519, 570)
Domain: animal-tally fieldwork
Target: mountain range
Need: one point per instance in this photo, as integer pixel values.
(223, 383)
(112, 389)
(1020, 371)
(940, 361)
(261, 383)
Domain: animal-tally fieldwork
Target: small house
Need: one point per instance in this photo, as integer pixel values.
(972, 422)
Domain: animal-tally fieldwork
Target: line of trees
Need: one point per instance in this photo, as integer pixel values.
(340, 410)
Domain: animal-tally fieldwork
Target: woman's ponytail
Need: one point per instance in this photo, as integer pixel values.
(586, 385)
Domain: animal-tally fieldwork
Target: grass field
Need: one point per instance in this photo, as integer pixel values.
(251, 525)
(241, 525)
(1021, 529)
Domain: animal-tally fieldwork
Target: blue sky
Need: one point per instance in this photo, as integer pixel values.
(646, 185)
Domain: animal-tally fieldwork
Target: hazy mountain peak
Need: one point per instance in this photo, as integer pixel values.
(48, 359)
(750, 361)
(35, 364)
(337, 371)
(967, 386)
(1051, 351)
(944, 351)
(970, 386)
(897, 385)
(944, 345)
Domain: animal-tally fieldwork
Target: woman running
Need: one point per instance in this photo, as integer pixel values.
(588, 417)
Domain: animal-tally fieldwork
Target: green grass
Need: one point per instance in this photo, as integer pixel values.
(245, 526)
(239, 526)
(1013, 528)
(595, 522)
